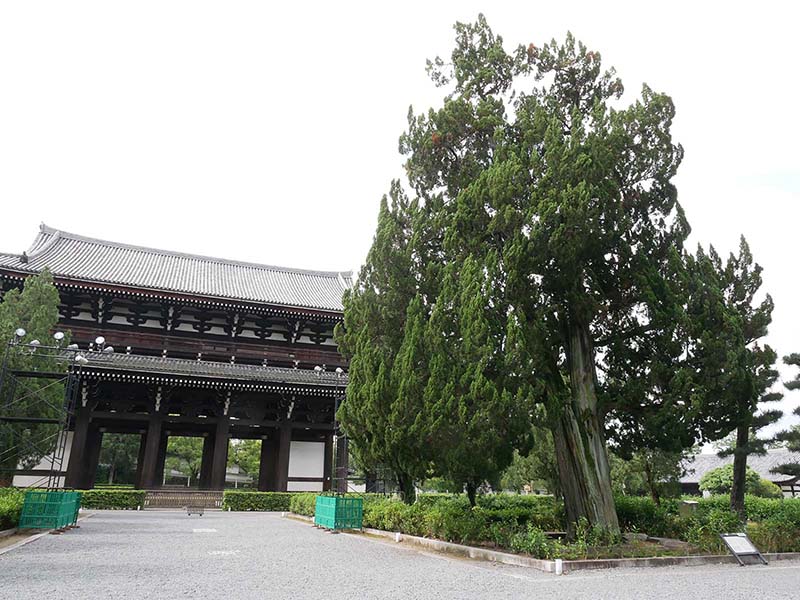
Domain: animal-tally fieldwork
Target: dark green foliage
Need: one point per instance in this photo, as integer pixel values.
(792, 437)
(259, 501)
(520, 523)
(118, 454)
(112, 499)
(704, 531)
(11, 500)
(383, 414)
(648, 472)
(642, 515)
(772, 523)
(247, 455)
(184, 454)
(303, 503)
(34, 309)
(477, 419)
(753, 372)
(538, 470)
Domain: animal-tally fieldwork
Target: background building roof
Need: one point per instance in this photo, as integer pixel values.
(87, 259)
(763, 465)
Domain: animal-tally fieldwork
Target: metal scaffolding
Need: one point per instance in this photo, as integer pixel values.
(29, 375)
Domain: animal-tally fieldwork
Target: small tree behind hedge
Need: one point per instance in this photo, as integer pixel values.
(720, 481)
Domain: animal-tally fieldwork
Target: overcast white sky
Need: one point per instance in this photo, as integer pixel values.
(268, 133)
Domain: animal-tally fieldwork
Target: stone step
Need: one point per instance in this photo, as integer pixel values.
(208, 500)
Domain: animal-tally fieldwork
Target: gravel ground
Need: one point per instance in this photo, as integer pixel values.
(250, 555)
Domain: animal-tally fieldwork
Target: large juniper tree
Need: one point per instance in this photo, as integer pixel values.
(575, 199)
(548, 239)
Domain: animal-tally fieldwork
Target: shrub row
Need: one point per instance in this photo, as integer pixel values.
(304, 503)
(257, 501)
(772, 523)
(112, 499)
(519, 523)
(10, 507)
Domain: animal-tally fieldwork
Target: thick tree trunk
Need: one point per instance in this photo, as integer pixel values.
(472, 490)
(652, 484)
(740, 470)
(7, 467)
(111, 473)
(581, 453)
(6, 479)
(407, 489)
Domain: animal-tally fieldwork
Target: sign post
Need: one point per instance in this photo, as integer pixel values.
(740, 545)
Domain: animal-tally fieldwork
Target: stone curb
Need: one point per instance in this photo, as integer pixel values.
(8, 532)
(556, 566)
(34, 537)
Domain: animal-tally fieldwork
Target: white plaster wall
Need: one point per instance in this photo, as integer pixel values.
(28, 480)
(306, 459)
(304, 486)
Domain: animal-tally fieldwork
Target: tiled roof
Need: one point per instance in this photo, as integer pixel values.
(763, 465)
(91, 260)
(179, 367)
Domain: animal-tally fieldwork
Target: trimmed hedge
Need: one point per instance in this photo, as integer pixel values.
(10, 507)
(772, 523)
(303, 503)
(112, 499)
(257, 501)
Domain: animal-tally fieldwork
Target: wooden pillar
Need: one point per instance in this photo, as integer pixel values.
(76, 469)
(92, 454)
(284, 444)
(161, 459)
(140, 460)
(152, 446)
(206, 462)
(327, 468)
(268, 466)
(220, 460)
(342, 459)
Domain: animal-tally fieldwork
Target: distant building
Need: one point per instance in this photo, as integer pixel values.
(763, 465)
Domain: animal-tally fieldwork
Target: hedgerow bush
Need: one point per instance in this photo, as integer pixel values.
(521, 523)
(112, 499)
(256, 501)
(638, 514)
(772, 523)
(303, 504)
(10, 507)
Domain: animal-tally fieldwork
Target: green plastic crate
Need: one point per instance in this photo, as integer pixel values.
(49, 510)
(339, 512)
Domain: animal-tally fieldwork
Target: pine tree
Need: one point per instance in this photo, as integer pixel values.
(741, 280)
(791, 437)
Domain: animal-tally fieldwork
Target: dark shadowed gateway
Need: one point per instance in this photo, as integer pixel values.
(203, 347)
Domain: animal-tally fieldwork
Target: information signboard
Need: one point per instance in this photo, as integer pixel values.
(741, 546)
